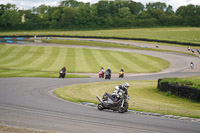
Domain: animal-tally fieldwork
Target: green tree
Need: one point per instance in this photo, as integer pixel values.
(156, 5)
(136, 7)
(70, 3)
(55, 17)
(124, 12)
(190, 15)
(10, 18)
(67, 17)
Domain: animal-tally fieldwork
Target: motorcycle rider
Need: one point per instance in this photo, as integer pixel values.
(121, 73)
(119, 91)
(101, 72)
(63, 71)
(122, 70)
(108, 71)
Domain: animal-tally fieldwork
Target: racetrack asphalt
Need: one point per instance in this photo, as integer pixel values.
(30, 103)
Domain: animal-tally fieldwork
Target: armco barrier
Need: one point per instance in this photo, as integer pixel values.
(179, 90)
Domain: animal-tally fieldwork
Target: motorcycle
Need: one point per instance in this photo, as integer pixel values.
(108, 75)
(121, 74)
(101, 74)
(62, 74)
(107, 102)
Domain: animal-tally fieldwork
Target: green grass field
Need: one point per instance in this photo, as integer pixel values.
(144, 96)
(180, 34)
(41, 60)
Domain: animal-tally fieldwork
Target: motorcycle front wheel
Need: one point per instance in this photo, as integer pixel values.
(124, 108)
(100, 106)
(121, 110)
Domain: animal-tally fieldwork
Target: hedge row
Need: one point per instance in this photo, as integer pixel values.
(179, 90)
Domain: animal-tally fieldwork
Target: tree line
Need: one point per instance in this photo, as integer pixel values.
(71, 14)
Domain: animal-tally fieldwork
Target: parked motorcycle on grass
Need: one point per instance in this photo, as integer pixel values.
(109, 102)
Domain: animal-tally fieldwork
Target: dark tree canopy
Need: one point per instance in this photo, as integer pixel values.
(71, 14)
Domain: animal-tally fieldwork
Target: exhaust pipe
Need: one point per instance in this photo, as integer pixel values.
(99, 98)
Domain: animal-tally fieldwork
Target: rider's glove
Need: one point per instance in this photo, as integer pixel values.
(128, 97)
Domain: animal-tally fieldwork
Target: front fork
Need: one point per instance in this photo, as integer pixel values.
(122, 103)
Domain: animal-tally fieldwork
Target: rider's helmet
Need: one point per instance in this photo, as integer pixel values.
(126, 85)
(108, 67)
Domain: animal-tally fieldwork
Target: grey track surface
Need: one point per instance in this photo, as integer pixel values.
(30, 103)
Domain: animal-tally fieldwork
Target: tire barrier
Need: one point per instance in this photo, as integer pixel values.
(179, 90)
(120, 38)
(11, 40)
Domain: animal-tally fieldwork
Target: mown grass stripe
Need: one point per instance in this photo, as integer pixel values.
(7, 53)
(30, 56)
(91, 60)
(59, 60)
(40, 59)
(3, 49)
(81, 61)
(146, 63)
(124, 62)
(133, 63)
(105, 55)
(19, 63)
(20, 53)
(115, 63)
(78, 60)
(159, 64)
(127, 63)
(50, 58)
(70, 61)
(141, 62)
(98, 55)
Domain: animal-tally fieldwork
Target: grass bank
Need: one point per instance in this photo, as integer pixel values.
(99, 44)
(179, 34)
(144, 96)
(112, 45)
